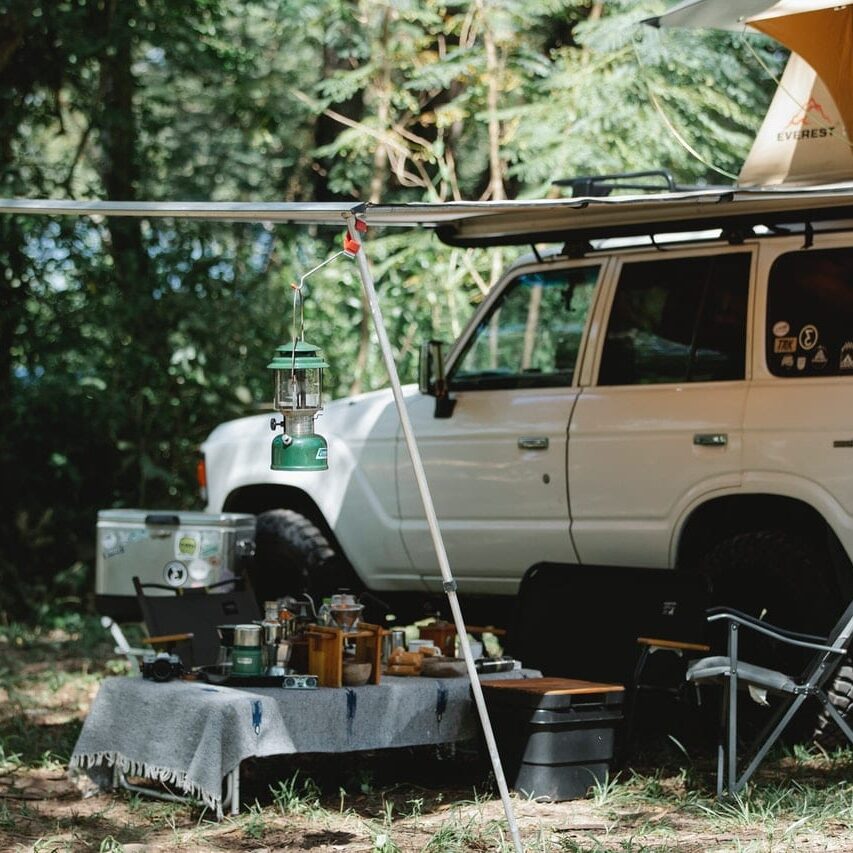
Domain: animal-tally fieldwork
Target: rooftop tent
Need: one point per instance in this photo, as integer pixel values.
(805, 134)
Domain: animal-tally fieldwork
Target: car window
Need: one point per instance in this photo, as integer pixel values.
(531, 336)
(810, 314)
(678, 320)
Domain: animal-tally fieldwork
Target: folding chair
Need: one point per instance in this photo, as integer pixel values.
(735, 673)
(191, 615)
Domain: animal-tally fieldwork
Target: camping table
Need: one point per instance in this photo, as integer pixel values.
(194, 736)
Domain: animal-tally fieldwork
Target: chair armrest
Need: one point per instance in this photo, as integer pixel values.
(167, 638)
(806, 641)
(676, 645)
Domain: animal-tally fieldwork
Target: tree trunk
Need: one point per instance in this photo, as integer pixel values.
(382, 87)
(120, 175)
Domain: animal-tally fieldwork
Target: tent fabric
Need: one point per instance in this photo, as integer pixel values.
(819, 31)
(824, 38)
(734, 16)
(802, 139)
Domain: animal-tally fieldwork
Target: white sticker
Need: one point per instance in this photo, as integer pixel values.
(808, 337)
(110, 545)
(781, 329)
(199, 570)
(322, 453)
(211, 544)
(846, 360)
(785, 345)
(787, 361)
(175, 573)
(187, 544)
(820, 358)
(801, 362)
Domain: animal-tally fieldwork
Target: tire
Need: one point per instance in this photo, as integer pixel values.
(827, 734)
(293, 556)
(776, 576)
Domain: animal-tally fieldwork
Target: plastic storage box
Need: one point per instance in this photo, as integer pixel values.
(556, 736)
(177, 549)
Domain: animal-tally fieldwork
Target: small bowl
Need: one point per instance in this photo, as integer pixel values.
(419, 645)
(355, 674)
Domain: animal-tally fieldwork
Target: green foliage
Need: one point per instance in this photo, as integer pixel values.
(123, 342)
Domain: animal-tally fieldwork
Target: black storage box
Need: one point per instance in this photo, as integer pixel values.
(555, 736)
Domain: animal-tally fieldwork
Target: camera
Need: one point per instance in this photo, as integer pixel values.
(162, 667)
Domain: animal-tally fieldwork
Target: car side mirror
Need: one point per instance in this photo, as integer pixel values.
(431, 378)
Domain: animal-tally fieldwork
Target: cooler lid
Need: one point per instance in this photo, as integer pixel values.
(175, 518)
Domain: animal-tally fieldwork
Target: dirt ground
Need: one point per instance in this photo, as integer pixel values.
(406, 800)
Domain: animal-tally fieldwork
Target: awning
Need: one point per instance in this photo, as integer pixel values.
(517, 222)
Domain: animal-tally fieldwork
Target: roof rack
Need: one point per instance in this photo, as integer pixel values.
(597, 186)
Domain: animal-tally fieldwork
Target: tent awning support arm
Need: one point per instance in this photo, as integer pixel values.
(432, 521)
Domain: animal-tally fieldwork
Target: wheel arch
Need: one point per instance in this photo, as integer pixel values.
(730, 515)
(261, 497)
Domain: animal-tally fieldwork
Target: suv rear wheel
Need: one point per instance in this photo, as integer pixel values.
(777, 576)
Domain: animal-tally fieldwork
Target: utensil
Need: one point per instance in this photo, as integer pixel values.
(345, 611)
(395, 638)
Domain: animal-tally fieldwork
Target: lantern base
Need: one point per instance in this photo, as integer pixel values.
(304, 453)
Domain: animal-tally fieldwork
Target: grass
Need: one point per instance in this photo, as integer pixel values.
(388, 803)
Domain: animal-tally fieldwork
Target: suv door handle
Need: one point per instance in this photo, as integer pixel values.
(533, 442)
(710, 439)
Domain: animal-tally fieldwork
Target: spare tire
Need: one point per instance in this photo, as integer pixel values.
(293, 556)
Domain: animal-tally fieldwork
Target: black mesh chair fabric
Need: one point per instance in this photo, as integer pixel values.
(197, 611)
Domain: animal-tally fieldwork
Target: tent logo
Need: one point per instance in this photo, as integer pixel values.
(797, 127)
(803, 117)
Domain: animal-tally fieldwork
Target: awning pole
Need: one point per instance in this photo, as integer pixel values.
(432, 521)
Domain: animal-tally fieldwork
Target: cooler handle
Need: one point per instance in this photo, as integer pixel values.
(155, 520)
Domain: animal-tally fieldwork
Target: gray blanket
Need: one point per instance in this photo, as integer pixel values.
(191, 735)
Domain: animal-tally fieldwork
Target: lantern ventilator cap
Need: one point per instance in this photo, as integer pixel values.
(297, 355)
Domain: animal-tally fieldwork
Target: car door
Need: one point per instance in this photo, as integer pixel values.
(661, 423)
(497, 466)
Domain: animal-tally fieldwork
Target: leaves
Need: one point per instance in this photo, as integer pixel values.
(123, 342)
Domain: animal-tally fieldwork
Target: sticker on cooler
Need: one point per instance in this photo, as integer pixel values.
(110, 545)
(175, 573)
(187, 545)
(199, 570)
(211, 544)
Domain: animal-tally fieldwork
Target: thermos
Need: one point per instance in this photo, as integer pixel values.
(247, 655)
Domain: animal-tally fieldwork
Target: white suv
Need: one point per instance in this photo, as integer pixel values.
(638, 397)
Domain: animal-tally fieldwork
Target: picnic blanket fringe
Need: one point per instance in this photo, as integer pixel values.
(129, 767)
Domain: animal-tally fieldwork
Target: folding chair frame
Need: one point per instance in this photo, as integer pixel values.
(817, 674)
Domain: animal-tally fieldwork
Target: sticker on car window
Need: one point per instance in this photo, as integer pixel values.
(846, 360)
(781, 329)
(808, 337)
(820, 358)
(782, 345)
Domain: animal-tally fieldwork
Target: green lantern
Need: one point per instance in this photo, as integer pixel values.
(298, 371)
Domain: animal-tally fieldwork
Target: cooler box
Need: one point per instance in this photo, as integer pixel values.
(177, 549)
(555, 736)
